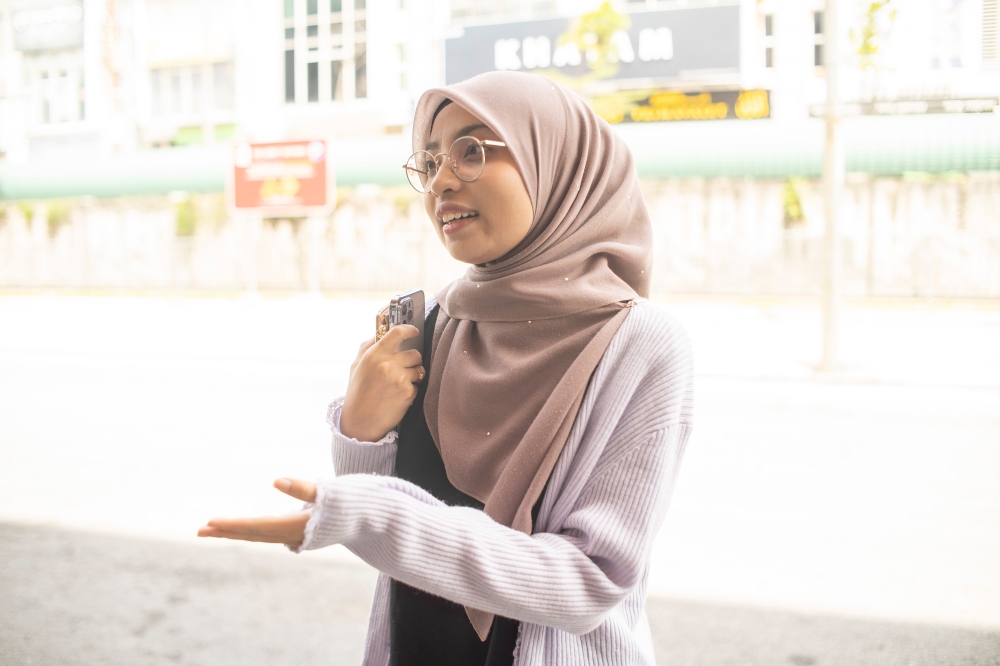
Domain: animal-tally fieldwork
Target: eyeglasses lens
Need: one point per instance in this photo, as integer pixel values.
(468, 157)
(420, 170)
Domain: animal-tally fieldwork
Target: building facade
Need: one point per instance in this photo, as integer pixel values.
(119, 76)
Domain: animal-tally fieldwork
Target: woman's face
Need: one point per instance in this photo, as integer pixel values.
(496, 206)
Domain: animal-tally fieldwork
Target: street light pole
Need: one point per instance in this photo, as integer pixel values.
(833, 185)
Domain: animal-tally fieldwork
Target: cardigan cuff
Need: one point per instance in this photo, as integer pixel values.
(333, 413)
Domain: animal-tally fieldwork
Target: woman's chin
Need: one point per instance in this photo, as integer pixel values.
(467, 252)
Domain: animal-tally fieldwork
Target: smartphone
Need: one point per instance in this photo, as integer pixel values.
(408, 309)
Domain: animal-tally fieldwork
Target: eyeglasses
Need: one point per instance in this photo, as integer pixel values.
(467, 157)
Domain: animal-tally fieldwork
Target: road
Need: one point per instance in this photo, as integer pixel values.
(817, 516)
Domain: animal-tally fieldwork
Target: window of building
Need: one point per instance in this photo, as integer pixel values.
(767, 40)
(818, 39)
(489, 10)
(192, 89)
(401, 64)
(336, 82)
(59, 91)
(223, 84)
(991, 32)
(313, 69)
(360, 72)
(324, 39)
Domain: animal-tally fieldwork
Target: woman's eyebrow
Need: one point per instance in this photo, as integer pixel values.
(433, 145)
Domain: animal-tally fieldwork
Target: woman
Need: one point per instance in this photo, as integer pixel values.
(511, 499)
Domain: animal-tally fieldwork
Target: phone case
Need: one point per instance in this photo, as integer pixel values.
(406, 308)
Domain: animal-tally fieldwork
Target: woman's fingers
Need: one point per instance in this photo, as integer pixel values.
(217, 533)
(396, 335)
(417, 374)
(365, 346)
(303, 490)
(261, 524)
(410, 358)
(282, 529)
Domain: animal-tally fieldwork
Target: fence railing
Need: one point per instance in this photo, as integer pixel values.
(917, 236)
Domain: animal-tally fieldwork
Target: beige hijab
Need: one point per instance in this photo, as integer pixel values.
(517, 340)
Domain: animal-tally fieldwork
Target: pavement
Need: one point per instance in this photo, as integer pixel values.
(850, 517)
(84, 598)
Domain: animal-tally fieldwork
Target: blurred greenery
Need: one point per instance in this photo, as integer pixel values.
(187, 136)
(223, 132)
(878, 18)
(792, 202)
(593, 34)
(403, 199)
(184, 214)
(27, 209)
(57, 215)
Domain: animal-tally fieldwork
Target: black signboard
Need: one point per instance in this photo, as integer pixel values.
(665, 44)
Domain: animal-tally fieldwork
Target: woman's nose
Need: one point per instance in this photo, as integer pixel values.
(445, 179)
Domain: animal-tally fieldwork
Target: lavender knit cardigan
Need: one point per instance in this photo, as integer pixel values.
(578, 584)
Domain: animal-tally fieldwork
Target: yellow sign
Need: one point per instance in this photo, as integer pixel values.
(643, 106)
(752, 104)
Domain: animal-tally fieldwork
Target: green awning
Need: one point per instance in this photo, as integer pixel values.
(190, 169)
(883, 146)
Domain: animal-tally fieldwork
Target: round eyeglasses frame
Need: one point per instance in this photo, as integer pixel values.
(467, 168)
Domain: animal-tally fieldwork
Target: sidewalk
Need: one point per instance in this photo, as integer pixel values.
(869, 493)
(80, 598)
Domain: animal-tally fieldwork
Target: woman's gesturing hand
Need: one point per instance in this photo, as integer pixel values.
(382, 386)
(289, 529)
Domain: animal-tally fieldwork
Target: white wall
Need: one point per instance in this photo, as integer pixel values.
(935, 237)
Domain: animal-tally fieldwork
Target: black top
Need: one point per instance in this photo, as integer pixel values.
(423, 628)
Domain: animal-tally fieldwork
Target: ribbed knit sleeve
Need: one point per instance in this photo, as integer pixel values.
(351, 456)
(569, 580)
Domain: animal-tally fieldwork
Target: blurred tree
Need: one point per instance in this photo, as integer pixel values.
(184, 215)
(56, 216)
(792, 204)
(27, 209)
(402, 200)
(593, 35)
(876, 24)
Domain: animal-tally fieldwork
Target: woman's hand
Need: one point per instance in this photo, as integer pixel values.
(382, 386)
(289, 529)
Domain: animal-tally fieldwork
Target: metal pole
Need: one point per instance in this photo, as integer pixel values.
(833, 184)
(315, 231)
(255, 222)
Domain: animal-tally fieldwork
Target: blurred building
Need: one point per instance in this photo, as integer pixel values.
(719, 100)
(123, 75)
(98, 77)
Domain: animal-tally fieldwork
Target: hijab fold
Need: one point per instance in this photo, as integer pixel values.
(517, 340)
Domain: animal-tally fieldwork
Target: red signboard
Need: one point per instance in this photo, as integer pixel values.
(281, 178)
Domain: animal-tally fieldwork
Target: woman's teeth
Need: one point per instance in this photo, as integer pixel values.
(451, 217)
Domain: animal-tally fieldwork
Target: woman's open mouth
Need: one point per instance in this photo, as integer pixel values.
(453, 222)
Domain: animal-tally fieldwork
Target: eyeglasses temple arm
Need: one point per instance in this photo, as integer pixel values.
(494, 143)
